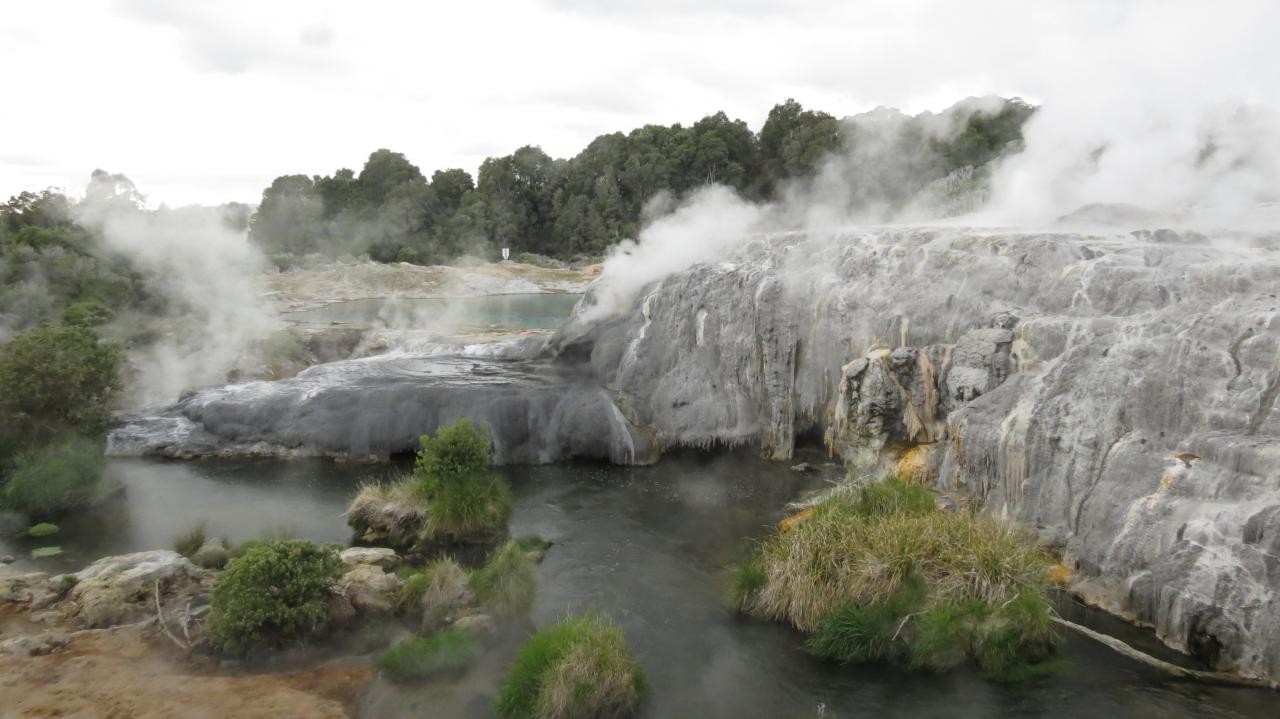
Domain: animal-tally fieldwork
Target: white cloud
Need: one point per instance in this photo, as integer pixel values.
(204, 103)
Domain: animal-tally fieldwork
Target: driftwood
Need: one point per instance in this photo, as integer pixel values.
(185, 646)
(1171, 669)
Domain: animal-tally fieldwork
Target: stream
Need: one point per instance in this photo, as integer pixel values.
(646, 545)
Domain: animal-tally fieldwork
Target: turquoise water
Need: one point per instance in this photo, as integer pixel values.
(523, 311)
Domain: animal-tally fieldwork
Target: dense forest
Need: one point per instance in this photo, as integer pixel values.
(579, 207)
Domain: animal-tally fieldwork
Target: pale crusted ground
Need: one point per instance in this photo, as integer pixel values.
(126, 674)
(307, 287)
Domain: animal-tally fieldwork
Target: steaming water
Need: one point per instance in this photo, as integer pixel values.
(645, 545)
(521, 311)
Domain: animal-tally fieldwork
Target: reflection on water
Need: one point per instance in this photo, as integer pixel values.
(646, 545)
(521, 311)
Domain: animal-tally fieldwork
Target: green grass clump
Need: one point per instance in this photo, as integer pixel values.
(507, 582)
(474, 507)
(577, 669)
(746, 579)
(448, 589)
(273, 593)
(416, 582)
(879, 574)
(212, 557)
(421, 657)
(43, 529)
(48, 480)
(190, 541)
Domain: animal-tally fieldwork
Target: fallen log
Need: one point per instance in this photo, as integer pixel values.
(1221, 678)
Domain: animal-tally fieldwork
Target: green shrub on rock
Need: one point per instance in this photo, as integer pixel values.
(273, 593)
(578, 669)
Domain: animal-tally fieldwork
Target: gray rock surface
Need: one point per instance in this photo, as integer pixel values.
(377, 556)
(1116, 393)
(120, 589)
(375, 407)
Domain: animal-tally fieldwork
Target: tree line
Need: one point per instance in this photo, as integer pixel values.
(576, 207)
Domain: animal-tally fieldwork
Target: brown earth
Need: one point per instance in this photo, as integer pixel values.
(127, 673)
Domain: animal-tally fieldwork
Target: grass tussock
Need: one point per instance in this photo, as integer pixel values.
(190, 541)
(447, 588)
(421, 657)
(878, 574)
(466, 508)
(507, 582)
(578, 668)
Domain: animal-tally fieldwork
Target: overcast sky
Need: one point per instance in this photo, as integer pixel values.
(207, 102)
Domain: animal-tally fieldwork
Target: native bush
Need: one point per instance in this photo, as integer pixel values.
(273, 593)
(51, 479)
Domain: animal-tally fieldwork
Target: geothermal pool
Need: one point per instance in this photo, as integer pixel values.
(519, 311)
(647, 545)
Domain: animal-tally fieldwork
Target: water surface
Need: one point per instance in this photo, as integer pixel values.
(646, 545)
(522, 311)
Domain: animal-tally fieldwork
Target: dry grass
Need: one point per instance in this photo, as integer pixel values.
(388, 507)
(448, 590)
(842, 554)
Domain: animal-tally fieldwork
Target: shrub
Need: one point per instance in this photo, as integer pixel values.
(52, 479)
(465, 502)
(273, 593)
(507, 582)
(90, 313)
(190, 541)
(459, 449)
(421, 657)
(215, 557)
(60, 378)
(576, 669)
(879, 574)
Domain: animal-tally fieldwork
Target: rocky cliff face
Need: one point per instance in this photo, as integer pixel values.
(1115, 392)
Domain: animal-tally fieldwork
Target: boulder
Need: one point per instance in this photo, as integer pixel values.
(34, 589)
(121, 589)
(370, 588)
(376, 556)
(480, 624)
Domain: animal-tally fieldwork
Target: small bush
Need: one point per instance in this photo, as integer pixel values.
(52, 479)
(577, 669)
(90, 313)
(459, 449)
(215, 557)
(275, 592)
(507, 582)
(421, 657)
(60, 378)
(190, 541)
